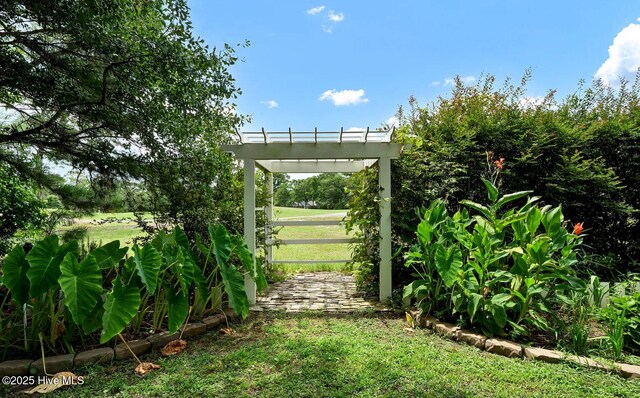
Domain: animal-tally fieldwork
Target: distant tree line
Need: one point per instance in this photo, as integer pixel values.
(324, 191)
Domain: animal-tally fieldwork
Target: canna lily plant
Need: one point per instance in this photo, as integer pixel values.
(502, 271)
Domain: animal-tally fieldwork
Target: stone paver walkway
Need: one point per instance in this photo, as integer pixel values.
(325, 291)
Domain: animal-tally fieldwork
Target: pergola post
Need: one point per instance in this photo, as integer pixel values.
(384, 177)
(268, 211)
(250, 221)
(315, 152)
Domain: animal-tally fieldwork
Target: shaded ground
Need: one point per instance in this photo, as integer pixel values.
(363, 355)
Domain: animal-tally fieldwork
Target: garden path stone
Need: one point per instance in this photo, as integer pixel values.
(446, 329)
(631, 371)
(542, 354)
(474, 339)
(194, 329)
(503, 347)
(17, 367)
(321, 291)
(99, 355)
(138, 347)
(162, 339)
(58, 363)
(214, 320)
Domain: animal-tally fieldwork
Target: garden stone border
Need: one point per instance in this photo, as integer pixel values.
(510, 349)
(103, 355)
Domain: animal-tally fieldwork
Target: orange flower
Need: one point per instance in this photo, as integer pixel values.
(577, 229)
(499, 163)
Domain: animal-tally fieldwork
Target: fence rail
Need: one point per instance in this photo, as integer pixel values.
(608, 290)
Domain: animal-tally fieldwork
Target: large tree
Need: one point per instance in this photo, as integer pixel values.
(113, 88)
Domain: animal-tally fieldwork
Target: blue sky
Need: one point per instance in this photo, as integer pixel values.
(351, 63)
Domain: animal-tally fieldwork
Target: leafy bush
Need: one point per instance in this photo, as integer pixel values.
(621, 320)
(20, 207)
(503, 271)
(50, 290)
(581, 152)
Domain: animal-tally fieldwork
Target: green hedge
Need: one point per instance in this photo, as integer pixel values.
(582, 152)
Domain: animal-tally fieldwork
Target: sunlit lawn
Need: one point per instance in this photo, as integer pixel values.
(126, 229)
(361, 355)
(311, 251)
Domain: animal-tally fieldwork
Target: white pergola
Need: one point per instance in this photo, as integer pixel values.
(316, 152)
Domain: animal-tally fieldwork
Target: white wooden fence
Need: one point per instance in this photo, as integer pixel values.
(608, 290)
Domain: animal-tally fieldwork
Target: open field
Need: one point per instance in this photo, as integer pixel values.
(311, 252)
(122, 228)
(125, 230)
(362, 355)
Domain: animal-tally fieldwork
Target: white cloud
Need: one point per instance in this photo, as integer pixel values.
(344, 97)
(270, 104)
(356, 129)
(436, 83)
(333, 17)
(315, 10)
(393, 122)
(530, 102)
(450, 81)
(624, 57)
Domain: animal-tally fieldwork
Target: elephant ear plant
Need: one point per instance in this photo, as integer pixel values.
(501, 271)
(57, 294)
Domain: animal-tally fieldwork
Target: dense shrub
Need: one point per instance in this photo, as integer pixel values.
(582, 152)
(500, 270)
(53, 295)
(20, 207)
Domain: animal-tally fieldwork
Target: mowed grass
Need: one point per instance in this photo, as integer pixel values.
(337, 251)
(294, 212)
(360, 355)
(122, 228)
(125, 229)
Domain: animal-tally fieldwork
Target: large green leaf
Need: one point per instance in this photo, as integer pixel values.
(121, 306)
(81, 284)
(183, 269)
(182, 239)
(44, 263)
(534, 216)
(510, 198)
(148, 262)
(449, 264)
(492, 191)
(15, 269)
(109, 255)
(499, 315)
(93, 322)
(200, 281)
(234, 287)
(178, 309)
(474, 303)
(221, 241)
(477, 206)
(246, 257)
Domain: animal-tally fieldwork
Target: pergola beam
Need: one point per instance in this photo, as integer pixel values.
(324, 150)
(338, 166)
(316, 152)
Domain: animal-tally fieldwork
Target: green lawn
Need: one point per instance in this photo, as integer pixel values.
(293, 213)
(125, 230)
(311, 252)
(362, 355)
